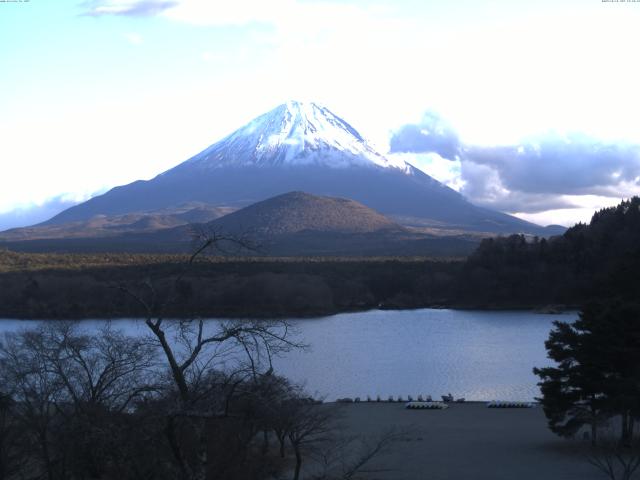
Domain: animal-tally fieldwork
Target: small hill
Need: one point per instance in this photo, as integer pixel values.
(297, 212)
(109, 226)
(301, 224)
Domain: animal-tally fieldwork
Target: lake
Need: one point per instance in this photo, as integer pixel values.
(479, 355)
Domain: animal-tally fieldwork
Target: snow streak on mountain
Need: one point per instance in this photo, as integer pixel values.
(294, 134)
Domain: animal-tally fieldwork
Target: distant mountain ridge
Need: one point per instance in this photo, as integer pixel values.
(300, 147)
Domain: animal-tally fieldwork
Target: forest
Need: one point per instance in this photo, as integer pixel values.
(599, 259)
(595, 260)
(88, 286)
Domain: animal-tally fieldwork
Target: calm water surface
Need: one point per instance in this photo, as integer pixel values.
(477, 355)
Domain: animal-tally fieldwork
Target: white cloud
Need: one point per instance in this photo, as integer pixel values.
(552, 172)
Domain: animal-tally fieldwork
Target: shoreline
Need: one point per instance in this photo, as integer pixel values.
(298, 315)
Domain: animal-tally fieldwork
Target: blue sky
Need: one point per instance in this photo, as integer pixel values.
(541, 96)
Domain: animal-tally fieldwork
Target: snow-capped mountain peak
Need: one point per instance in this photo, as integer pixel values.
(300, 147)
(294, 134)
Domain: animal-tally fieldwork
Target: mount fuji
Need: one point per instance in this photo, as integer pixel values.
(300, 147)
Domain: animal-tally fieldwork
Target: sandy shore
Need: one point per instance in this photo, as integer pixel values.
(470, 441)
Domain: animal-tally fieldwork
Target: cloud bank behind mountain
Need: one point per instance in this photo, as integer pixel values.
(543, 172)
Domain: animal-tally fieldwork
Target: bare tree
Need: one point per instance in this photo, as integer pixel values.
(109, 369)
(36, 392)
(310, 426)
(194, 347)
(69, 390)
(189, 347)
(281, 415)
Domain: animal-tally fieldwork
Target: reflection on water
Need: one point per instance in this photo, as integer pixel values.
(472, 354)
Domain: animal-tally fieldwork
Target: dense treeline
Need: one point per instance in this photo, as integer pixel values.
(69, 286)
(601, 259)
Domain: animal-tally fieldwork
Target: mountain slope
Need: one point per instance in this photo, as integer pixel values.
(300, 147)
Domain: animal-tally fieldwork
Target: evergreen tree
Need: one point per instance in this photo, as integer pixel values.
(598, 370)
